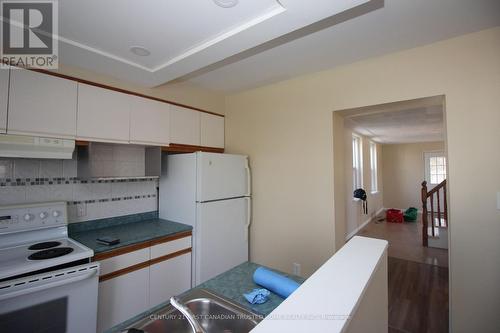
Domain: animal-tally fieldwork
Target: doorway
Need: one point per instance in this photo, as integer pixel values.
(396, 152)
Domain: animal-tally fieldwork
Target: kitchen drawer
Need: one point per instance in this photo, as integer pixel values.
(114, 264)
(170, 247)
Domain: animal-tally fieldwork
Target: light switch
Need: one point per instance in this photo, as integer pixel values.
(498, 200)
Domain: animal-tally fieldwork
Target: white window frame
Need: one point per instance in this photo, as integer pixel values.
(373, 167)
(432, 178)
(357, 162)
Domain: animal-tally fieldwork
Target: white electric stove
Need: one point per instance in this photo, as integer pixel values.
(43, 273)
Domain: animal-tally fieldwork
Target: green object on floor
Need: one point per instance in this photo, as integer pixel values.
(411, 214)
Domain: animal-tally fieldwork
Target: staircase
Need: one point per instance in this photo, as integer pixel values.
(434, 216)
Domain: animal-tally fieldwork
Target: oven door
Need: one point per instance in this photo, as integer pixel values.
(60, 301)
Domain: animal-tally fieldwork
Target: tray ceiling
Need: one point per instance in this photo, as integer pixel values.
(181, 36)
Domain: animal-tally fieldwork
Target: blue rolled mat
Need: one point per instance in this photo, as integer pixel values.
(275, 282)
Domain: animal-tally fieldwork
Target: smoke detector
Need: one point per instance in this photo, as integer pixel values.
(140, 51)
(226, 3)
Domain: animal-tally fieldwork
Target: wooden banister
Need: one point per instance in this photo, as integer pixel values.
(424, 214)
(426, 195)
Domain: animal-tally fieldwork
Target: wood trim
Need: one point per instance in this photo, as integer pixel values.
(166, 239)
(124, 271)
(81, 143)
(140, 246)
(124, 91)
(142, 265)
(181, 148)
(437, 188)
(169, 256)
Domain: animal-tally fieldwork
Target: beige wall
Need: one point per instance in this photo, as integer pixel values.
(355, 217)
(286, 128)
(404, 173)
(180, 92)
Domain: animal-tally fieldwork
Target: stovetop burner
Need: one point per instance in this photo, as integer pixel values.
(50, 253)
(43, 245)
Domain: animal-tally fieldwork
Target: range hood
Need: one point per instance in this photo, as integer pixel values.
(35, 147)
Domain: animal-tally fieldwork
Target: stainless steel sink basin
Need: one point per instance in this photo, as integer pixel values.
(214, 312)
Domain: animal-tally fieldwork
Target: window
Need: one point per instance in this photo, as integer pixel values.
(373, 167)
(357, 162)
(435, 167)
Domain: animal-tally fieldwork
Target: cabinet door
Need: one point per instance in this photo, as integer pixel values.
(184, 126)
(212, 130)
(122, 297)
(41, 104)
(169, 278)
(150, 122)
(4, 95)
(103, 114)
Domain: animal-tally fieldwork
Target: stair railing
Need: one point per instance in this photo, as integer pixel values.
(426, 195)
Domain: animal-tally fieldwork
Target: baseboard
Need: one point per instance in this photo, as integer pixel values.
(355, 231)
(404, 209)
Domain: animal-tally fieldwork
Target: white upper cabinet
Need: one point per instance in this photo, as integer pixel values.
(103, 114)
(212, 130)
(184, 126)
(4, 94)
(41, 104)
(150, 122)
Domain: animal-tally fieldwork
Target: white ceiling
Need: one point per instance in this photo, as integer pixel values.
(182, 36)
(420, 124)
(399, 25)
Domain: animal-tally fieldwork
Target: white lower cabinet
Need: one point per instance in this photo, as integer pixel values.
(122, 297)
(169, 278)
(135, 281)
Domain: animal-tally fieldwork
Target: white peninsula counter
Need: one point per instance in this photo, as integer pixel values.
(347, 294)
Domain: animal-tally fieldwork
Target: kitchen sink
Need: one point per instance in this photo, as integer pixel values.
(213, 312)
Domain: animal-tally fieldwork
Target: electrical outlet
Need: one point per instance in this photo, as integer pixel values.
(296, 269)
(81, 210)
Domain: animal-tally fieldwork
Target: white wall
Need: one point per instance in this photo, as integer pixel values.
(404, 173)
(355, 217)
(286, 128)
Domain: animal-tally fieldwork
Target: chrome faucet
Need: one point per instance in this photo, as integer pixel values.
(179, 305)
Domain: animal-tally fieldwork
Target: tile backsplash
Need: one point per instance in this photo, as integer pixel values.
(38, 180)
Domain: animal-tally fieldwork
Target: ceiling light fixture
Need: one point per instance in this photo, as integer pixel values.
(140, 51)
(226, 3)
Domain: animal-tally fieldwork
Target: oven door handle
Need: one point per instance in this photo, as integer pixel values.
(53, 284)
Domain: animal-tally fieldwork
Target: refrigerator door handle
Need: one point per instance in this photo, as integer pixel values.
(249, 217)
(249, 180)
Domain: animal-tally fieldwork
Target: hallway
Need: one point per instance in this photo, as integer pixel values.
(405, 241)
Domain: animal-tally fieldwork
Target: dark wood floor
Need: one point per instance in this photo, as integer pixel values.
(418, 297)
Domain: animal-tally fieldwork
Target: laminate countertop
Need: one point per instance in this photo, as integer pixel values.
(231, 284)
(131, 229)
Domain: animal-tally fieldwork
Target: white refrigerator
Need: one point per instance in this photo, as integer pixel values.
(211, 192)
